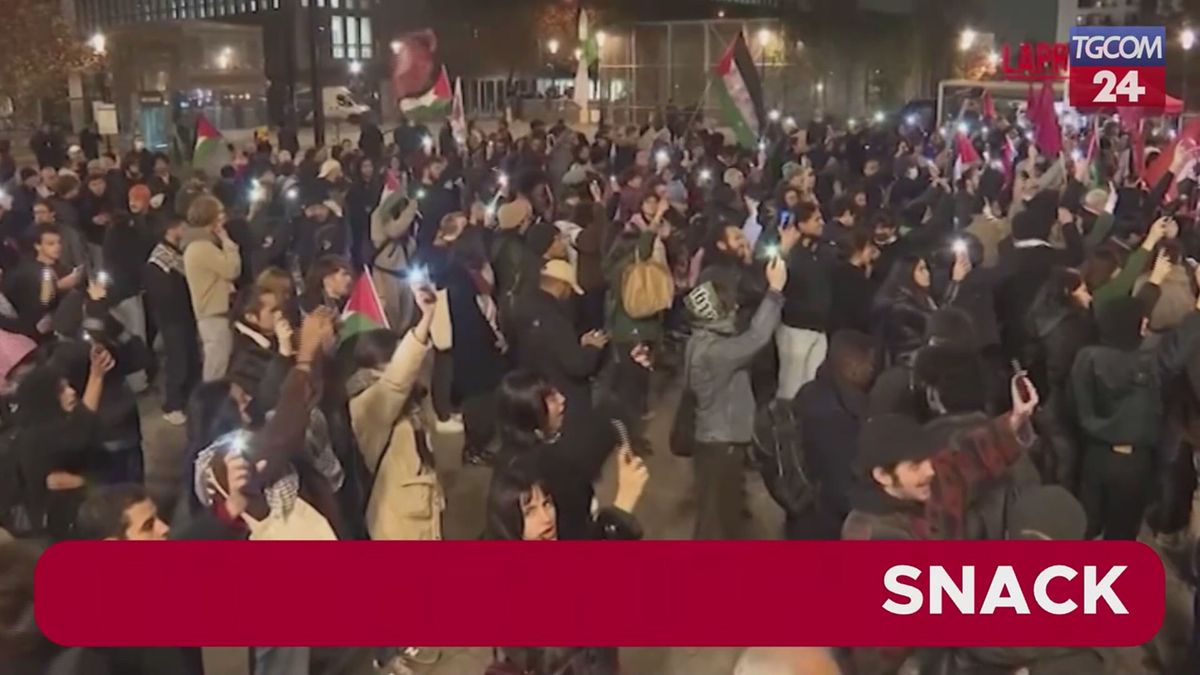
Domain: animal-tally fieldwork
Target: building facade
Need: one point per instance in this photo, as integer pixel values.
(344, 32)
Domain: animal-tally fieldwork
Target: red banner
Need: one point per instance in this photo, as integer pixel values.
(600, 593)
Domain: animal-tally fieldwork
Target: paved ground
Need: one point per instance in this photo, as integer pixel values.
(666, 513)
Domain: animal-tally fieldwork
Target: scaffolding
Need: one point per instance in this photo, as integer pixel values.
(645, 67)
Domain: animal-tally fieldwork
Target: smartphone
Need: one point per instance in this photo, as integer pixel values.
(1024, 390)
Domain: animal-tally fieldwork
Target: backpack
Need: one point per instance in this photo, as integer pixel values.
(15, 515)
(647, 287)
(778, 451)
(683, 428)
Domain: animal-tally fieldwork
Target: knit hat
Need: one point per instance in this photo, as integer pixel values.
(733, 174)
(887, 440)
(513, 214)
(1046, 512)
(540, 236)
(704, 304)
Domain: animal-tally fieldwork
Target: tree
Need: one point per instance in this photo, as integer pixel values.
(40, 50)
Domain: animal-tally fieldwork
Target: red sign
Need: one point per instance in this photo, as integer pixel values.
(1035, 61)
(652, 593)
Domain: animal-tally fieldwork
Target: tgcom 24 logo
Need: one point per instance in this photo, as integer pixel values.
(1117, 66)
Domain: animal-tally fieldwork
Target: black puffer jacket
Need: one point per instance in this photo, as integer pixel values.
(905, 315)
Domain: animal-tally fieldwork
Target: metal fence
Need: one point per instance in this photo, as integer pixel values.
(647, 66)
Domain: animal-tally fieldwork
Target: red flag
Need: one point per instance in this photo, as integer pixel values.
(988, 106)
(1009, 154)
(1031, 107)
(967, 155)
(1048, 134)
(1160, 166)
(414, 64)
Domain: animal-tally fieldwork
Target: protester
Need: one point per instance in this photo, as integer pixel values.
(168, 295)
(211, 263)
(717, 372)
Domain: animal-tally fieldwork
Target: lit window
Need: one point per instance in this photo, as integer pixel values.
(335, 4)
(366, 46)
(337, 37)
(352, 37)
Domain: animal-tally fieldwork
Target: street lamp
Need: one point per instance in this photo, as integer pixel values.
(225, 58)
(552, 46)
(356, 67)
(966, 39)
(764, 37)
(98, 43)
(396, 46)
(601, 37)
(1187, 40)
(578, 53)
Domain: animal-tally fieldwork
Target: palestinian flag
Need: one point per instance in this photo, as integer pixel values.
(433, 105)
(210, 147)
(740, 93)
(364, 311)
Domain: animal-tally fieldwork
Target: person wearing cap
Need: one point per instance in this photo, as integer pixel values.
(319, 231)
(717, 373)
(509, 255)
(547, 340)
(914, 484)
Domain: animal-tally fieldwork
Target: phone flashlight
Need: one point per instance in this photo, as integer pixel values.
(427, 143)
(418, 275)
(239, 443)
(705, 175)
(502, 180)
(421, 194)
(103, 278)
(662, 157)
(772, 251)
(293, 194)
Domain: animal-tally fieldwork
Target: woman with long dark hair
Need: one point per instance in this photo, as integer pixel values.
(58, 446)
(566, 445)
(1060, 324)
(906, 302)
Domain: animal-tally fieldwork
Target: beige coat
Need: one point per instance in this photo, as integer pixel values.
(390, 237)
(406, 502)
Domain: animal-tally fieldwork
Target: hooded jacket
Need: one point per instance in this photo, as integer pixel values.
(1117, 387)
(717, 366)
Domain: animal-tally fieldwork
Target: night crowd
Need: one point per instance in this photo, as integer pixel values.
(903, 339)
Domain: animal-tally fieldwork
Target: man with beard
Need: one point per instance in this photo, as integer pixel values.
(436, 201)
(915, 484)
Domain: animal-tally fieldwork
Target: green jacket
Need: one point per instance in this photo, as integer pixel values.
(1121, 286)
(623, 328)
(1118, 393)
